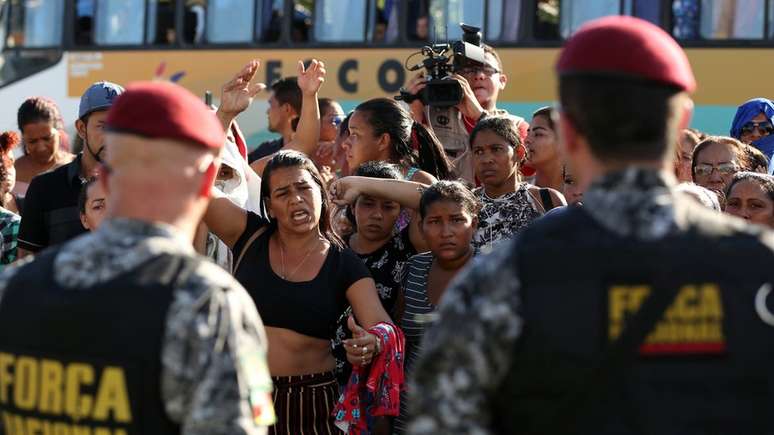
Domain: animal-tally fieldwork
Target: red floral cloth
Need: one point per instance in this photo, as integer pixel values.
(373, 390)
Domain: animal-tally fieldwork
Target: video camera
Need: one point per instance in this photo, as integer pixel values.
(441, 60)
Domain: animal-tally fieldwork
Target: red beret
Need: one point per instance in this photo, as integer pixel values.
(626, 46)
(163, 110)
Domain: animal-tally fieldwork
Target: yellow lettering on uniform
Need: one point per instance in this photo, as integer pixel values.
(692, 331)
(18, 425)
(714, 332)
(78, 406)
(712, 308)
(6, 377)
(47, 428)
(636, 296)
(81, 430)
(119, 432)
(7, 423)
(617, 303)
(616, 309)
(26, 386)
(686, 304)
(112, 396)
(61, 429)
(101, 431)
(34, 426)
(51, 379)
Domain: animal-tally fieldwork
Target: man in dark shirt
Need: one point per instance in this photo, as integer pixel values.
(284, 107)
(51, 214)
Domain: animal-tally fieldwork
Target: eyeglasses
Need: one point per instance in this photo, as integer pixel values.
(704, 169)
(764, 127)
(472, 71)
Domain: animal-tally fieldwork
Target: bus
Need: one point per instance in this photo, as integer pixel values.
(57, 48)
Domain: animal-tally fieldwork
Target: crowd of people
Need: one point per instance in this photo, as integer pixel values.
(351, 237)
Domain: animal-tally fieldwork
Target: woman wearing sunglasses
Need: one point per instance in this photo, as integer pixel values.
(754, 121)
(715, 161)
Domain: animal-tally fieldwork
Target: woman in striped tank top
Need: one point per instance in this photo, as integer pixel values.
(448, 211)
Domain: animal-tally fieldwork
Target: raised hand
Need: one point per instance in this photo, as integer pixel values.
(238, 94)
(310, 79)
(344, 191)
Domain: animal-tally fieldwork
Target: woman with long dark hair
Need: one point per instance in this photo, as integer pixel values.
(301, 278)
(381, 129)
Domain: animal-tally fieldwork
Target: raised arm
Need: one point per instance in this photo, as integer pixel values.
(406, 193)
(238, 94)
(226, 220)
(308, 130)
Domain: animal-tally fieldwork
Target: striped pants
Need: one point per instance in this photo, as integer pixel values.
(304, 404)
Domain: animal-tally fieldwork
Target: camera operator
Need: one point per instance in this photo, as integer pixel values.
(481, 86)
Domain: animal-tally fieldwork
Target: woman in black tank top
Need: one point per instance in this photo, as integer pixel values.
(301, 277)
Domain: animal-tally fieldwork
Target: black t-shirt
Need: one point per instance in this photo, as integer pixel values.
(51, 214)
(265, 149)
(310, 307)
(386, 266)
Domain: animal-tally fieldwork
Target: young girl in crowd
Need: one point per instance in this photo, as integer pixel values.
(543, 149)
(301, 278)
(750, 196)
(374, 240)
(9, 204)
(507, 203)
(43, 141)
(448, 215)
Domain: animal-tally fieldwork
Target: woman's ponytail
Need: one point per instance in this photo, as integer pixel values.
(431, 156)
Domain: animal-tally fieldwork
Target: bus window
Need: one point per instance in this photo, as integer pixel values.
(731, 19)
(229, 21)
(546, 24)
(494, 19)
(35, 23)
(161, 22)
(383, 24)
(268, 20)
(119, 22)
(572, 14)
(84, 22)
(418, 20)
(340, 21)
(301, 21)
(446, 16)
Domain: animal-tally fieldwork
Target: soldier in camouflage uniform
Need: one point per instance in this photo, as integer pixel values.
(127, 330)
(640, 312)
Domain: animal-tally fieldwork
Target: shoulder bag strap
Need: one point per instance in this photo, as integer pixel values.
(247, 246)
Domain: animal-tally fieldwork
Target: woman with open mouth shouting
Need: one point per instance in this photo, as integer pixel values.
(301, 278)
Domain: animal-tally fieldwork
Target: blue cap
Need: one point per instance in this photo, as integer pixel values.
(99, 96)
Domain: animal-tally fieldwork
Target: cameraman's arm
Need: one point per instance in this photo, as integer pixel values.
(470, 107)
(415, 86)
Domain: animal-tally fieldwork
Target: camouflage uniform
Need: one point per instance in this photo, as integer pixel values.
(214, 346)
(467, 353)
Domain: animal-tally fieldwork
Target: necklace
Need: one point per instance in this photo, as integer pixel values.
(282, 259)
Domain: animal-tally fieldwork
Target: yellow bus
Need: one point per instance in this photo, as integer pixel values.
(56, 48)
